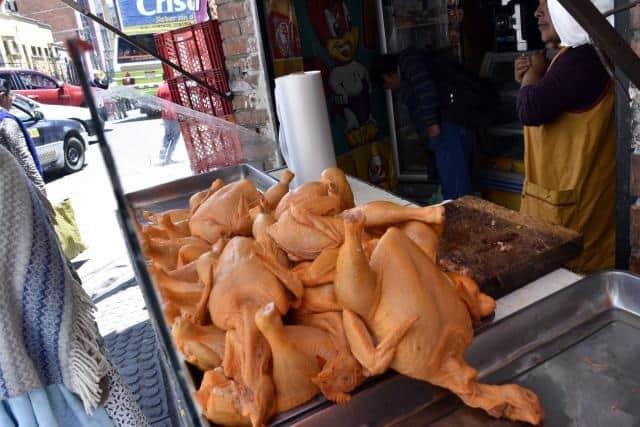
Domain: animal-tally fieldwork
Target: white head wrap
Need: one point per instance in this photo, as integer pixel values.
(570, 32)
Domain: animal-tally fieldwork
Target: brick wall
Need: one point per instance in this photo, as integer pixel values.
(242, 49)
(60, 17)
(634, 185)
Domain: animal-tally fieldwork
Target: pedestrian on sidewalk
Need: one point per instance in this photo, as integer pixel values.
(15, 138)
(53, 369)
(171, 125)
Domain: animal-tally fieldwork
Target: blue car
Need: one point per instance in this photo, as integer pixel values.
(61, 143)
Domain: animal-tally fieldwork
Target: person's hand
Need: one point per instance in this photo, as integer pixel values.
(433, 131)
(521, 66)
(539, 63)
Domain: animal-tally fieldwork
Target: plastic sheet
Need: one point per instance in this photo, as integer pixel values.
(206, 142)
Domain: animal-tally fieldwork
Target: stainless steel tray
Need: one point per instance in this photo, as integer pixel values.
(577, 349)
(175, 194)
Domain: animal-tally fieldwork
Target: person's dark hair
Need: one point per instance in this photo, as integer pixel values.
(383, 64)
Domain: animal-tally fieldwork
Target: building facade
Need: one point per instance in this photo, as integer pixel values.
(26, 43)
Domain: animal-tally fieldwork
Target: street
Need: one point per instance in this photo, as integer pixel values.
(104, 266)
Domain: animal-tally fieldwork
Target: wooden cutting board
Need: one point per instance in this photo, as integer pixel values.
(502, 249)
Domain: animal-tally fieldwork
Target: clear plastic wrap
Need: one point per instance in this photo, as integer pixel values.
(206, 142)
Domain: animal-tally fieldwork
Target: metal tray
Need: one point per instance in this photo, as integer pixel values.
(175, 194)
(577, 349)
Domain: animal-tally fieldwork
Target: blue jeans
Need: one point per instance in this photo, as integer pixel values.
(452, 149)
(171, 136)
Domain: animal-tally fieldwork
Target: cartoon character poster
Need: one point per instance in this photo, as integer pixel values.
(339, 38)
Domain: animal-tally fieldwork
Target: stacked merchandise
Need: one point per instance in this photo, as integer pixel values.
(198, 50)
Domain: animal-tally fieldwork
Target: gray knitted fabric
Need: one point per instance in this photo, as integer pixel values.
(48, 332)
(12, 139)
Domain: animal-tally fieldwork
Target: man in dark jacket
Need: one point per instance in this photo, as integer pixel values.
(411, 76)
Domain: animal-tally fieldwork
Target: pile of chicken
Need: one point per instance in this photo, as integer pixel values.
(281, 296)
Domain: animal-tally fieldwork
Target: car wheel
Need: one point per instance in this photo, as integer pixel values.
(73, 154)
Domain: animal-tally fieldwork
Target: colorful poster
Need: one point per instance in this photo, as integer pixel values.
(152, 16)
(339, 38)
(284, 37)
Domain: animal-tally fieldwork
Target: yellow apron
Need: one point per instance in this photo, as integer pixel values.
(570, 178)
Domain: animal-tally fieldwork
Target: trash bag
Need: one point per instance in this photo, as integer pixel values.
(67, 229)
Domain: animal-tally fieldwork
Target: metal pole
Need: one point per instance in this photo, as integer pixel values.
(76, 49)
(88, 14)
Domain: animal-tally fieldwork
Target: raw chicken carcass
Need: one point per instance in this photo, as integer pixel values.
(179, 297)
(304, 235)
(275, 193)
(337, 182)
(218, 396)
(319, 299)
(198, 198)
(341, 372)
(225, 213)
(202, 346)
(245, 281)
(313, 197)
(402, 312)
(292, 368)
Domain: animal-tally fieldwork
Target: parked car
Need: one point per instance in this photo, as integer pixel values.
(60, 143)
(62, 112)
(42, 88)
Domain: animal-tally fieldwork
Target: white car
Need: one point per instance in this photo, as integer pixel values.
(62, 112)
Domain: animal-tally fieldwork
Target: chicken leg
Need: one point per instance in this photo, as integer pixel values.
(356, 286)
(292, 369)
(275, 193)
(386, 213)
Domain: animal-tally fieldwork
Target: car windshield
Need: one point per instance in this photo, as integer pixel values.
(28, 103)
(19, 109)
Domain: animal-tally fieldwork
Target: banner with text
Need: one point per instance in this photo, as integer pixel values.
(156, 16)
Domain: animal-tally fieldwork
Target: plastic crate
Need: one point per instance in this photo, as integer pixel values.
(195, 48)
(211, 146)
(190, 94)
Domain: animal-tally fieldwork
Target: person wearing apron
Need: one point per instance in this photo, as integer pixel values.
(567, 108)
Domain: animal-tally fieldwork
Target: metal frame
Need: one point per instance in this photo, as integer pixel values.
(623, 153)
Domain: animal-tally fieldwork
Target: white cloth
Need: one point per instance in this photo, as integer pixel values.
(571, 33)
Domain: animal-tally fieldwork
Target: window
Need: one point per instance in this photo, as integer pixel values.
(39, 51)
(7, 77)
(33, 51)
(46, 52)
(129, 53)
(37, 81)
(20, 111)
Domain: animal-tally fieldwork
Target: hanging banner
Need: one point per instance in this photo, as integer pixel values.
(156, 16)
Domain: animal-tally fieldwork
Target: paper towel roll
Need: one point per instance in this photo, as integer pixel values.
(305, 133)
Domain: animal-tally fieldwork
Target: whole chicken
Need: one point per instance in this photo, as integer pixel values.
(245, 281)
(202, 346)
(226, 212)
(402, 312)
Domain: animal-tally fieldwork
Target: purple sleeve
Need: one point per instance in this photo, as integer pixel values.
(575, 82)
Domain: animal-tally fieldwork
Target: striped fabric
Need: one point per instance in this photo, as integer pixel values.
(48, 332)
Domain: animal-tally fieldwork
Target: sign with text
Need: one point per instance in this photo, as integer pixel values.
(156, 16)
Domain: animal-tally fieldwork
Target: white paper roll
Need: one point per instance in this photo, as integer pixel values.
(305, 132)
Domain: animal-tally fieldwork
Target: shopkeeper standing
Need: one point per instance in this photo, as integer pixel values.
(567, 107)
